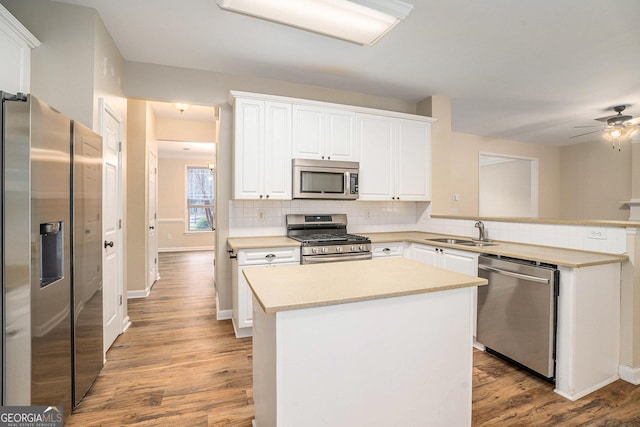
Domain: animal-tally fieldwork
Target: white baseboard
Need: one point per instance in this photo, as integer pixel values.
(188, 249)
(629, 374)
(126, 322)
(138, 294)
(222, 314)
(583, 393)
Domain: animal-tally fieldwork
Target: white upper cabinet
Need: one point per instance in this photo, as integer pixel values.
(394, 149)
(262, 149)
(395, 158)
(324, 133)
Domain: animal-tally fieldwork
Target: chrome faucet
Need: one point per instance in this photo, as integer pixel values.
(480, 226)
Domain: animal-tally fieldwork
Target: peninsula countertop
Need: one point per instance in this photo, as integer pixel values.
(560, 256)
(306, 286)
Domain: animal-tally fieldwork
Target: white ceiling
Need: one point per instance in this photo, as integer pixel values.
(521, 70)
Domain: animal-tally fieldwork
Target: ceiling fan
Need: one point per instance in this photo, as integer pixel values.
(618, 127)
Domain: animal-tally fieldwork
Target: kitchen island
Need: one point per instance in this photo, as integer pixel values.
(379, 343)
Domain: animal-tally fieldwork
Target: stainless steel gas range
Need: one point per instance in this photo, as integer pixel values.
(324, 238)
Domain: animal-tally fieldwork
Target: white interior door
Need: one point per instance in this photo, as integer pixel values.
(152, 220)
(112, 226)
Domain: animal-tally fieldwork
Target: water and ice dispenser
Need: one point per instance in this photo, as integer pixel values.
(51, 252)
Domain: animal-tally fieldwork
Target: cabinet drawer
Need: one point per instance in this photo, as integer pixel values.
(269, 255)
(380, 250)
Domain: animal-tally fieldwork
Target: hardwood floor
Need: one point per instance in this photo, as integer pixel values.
(176, 365)
(179, 366)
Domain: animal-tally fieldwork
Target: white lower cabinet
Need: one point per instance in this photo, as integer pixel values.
(242, 296)
(451, 259)
(389, 250)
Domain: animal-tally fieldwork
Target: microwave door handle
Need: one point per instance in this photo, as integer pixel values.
(347, 177)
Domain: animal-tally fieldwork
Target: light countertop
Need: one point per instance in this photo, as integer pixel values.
(315, 285)
(564, 257)
(237, 243)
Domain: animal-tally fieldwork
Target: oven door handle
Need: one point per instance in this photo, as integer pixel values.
(331, 258)
(513, 274)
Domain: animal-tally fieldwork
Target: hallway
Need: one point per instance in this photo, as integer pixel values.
(176, 365)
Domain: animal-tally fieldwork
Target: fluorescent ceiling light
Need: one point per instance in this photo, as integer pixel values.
(359, 21)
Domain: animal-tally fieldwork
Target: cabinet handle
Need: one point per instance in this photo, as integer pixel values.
(267, 196)
(269, 256)
(261, 196)
(322, 157)
(328, 157)
(386, 250)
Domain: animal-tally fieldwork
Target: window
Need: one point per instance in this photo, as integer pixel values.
(200, 198)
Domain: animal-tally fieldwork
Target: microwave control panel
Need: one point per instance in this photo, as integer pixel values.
(353, 183)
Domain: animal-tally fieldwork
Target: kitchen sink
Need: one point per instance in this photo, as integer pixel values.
(466, 242)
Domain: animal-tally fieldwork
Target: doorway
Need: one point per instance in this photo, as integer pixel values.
(187, 150)
(508, 186)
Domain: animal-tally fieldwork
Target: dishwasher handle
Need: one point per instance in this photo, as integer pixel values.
(513, 274)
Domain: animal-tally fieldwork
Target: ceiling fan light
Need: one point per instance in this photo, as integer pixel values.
(359, 21)
(615, 133)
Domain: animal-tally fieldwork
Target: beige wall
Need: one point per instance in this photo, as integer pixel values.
(172, 214)
(439, 107)
(186, 130)
(593, 180)
(140, 140)
(62, 67)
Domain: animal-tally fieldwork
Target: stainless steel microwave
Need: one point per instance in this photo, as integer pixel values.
(325, 179)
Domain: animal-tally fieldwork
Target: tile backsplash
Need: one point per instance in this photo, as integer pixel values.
(267, 218)
(581, 237)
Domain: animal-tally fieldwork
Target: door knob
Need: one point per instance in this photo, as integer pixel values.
(151, 227)
(110, 244)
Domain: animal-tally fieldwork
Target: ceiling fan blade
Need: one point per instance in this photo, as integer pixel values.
(592, 126)
(604, 119)
(583, 134)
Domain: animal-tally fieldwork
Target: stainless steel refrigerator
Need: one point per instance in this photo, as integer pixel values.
(51, 255)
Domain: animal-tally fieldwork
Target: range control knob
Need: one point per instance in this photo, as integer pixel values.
(353, 248)
(339, 249)
(325, 250)
(362, 248)
(314, 250)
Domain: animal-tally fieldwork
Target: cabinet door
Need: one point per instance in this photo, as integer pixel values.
(375, 136)
(248, 146)
(425, 254)
(460, 262)
(413, 167)
(340, 141)
(308, 132)
(277, 151)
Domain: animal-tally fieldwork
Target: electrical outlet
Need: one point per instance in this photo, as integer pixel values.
(597, 233)
(261, 214)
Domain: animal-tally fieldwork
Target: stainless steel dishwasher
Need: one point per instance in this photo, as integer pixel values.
(517, 312)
